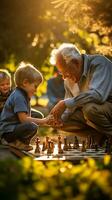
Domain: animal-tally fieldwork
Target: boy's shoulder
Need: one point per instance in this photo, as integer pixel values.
(17, 94)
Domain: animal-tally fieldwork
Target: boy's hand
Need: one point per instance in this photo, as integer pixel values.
(58, 110)
(47, 120)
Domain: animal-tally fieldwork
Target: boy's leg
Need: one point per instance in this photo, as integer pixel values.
(23, 132)
(36, 114)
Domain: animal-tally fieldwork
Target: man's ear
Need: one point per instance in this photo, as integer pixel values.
(75, 61)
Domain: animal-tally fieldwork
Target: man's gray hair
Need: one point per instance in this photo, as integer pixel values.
(68, 52)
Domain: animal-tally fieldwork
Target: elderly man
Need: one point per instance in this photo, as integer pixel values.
(88, 101)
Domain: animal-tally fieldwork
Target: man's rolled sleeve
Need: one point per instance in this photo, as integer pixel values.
(69, 102)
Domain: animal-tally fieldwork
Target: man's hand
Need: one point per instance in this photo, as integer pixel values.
(58, 110)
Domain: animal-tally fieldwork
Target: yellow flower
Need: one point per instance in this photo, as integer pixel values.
(107, 159)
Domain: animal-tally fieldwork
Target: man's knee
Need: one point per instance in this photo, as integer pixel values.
(90, 110)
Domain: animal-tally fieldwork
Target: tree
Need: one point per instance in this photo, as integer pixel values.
(90, 18)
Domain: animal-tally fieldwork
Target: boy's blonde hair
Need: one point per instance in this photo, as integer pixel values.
(29, 72)
(4, 74)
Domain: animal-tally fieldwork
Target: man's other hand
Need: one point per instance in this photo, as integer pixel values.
(58, 110)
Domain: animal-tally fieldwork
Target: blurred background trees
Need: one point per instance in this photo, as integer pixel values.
(30, 29)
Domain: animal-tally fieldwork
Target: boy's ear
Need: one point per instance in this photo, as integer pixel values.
(25, 81)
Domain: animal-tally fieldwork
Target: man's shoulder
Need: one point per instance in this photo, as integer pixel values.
(98, 58)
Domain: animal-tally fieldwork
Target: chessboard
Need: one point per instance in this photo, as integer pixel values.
(69, 150)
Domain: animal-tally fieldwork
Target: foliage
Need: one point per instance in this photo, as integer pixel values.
(29, 179)
(90, 17)
(29, 30)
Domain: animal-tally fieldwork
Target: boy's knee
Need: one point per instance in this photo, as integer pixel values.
(32, 127)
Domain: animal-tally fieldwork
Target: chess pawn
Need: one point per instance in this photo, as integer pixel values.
(83, 149)
(60, 150)
(65, 147)
(37, 149)
(44, 146)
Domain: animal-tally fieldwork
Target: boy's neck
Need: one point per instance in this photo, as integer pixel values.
(22, 89)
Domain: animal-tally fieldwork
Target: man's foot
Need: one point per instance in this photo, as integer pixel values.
(20, 145)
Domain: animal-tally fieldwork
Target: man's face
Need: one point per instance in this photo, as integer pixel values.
(30, 88)
(68, 71)
(5, 85)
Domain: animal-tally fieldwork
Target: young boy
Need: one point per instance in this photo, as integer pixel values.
(17, 127)
(5, 91)
(5, 87)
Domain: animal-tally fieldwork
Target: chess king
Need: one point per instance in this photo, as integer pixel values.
(87, 107)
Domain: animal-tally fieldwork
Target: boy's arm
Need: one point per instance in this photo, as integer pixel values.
(24, 117)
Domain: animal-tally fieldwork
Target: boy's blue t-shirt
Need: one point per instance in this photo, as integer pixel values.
(17, 102)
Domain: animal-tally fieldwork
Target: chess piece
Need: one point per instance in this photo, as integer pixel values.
(49, 150)
(108, 146)
(76, 143)
(37, 149)
(65, 147)
(92, 144)
(59, 138)
(44, 146)
(88, 143)
(70, 147)
(60, 150)
(47, 139)
(96, 147)
(83, 149)
(52, 146)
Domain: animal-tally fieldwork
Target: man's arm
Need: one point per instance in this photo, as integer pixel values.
(100, 87)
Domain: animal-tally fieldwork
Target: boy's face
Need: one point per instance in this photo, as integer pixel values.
(5, 85)
(30, 88)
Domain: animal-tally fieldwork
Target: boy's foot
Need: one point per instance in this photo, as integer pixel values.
(20, 145)
(3, 141)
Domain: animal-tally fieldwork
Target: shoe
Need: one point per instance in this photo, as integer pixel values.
(4, 142)
(20, 145)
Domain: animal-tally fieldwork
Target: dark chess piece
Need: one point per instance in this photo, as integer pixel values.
(83, 149)
(60, 150)
(92, 143)
(69, 146)
(59, 138)
(88, 143)
(52, 146)
(76, 143)
(65, 147)
(96, 147)
(37, 149)
(108, 146)
(44, 146)
(49, 150)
